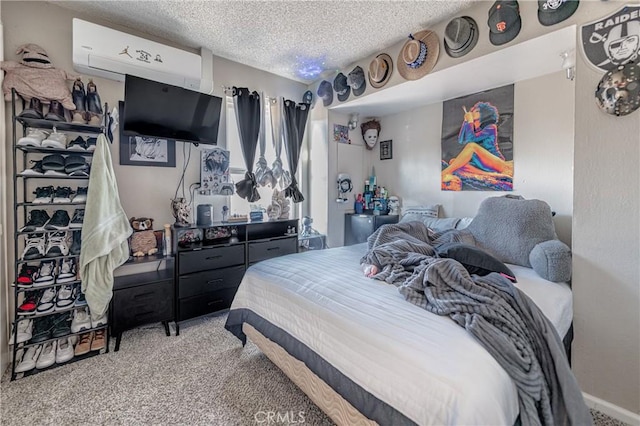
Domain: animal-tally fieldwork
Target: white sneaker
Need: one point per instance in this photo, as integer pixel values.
(99, 322)
(46, 273)
(67, 271)
(34, 138)
(80, 321)
(65, 351)
(34, 247)
(29, 359)
(47, 301)
(65, 297)
(24, 330)
(57, 244)
(55, 140)
(47, 356)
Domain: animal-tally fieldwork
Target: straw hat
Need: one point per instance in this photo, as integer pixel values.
(419, 55)
(380, 70)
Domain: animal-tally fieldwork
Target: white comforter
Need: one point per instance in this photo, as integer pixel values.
(423, 365)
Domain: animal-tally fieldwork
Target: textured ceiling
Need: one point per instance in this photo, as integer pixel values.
(294, 39)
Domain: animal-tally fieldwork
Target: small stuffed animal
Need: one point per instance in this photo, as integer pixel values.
(35, 77)
(143, 240)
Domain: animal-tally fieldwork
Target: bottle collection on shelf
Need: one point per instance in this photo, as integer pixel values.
(373, 198)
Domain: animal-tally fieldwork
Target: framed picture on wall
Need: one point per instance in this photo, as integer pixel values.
(145, 151)
(386, 150)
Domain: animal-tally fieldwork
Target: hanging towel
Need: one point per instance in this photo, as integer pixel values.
(105, 232)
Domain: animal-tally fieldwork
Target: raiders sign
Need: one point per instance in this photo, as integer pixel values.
(613, 40)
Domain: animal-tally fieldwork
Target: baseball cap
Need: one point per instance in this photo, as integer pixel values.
(551, 12)
(504, 22)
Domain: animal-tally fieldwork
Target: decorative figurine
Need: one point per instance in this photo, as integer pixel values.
(307, 230)
(180, 210)
(394, 205)
(225, 213)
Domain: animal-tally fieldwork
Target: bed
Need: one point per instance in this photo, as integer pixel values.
(365, 355)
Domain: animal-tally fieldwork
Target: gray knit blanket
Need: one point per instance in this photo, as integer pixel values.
(503, 319)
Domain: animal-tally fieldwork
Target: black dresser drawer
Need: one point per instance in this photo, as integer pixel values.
(208, 281)
(195, 306)
(268, 249)
(202, 260)
(142, 305)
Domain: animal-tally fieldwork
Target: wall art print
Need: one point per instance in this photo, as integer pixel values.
(613, 40)
(145, 151)
(477, 141)
(214, 172)
(341, 133)
(386, 150)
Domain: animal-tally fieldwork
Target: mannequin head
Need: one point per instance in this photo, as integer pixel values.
(370, 132)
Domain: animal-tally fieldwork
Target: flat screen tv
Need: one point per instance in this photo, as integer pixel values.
(168, 112)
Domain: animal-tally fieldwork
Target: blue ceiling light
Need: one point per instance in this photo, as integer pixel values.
(309, 68)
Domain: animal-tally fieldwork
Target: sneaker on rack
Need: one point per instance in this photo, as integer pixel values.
(78, 218)
(78, 144)
(26, 275)
(67, 270)
(98, 342)
(77, 243)
(59, 221)
(53, 165)
(57, 244)
(46, 273)
(47, 356)
(62, 195)
(91, 144)
(80, 299)
(81, 321)
(65, 351)
(35, 170)
(94, 104)
(42, 328)
(47, 302)
(23, 331)
(84, 344)
(61, 325)
(44, 195)
(34, 138)
(30, 303)
(55, 140)
(34, 247)
(29, 358)
(36, 222)
(81, 195)
(65, 297)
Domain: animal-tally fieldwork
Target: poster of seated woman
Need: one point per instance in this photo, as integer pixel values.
(477, 142)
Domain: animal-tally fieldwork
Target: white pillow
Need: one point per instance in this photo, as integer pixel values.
(423, 211)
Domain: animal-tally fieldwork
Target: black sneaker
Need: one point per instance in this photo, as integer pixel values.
(42, 328)
(35, 170)
(34, 247)
(81, 195)
(78, 144)
(91, 144)
(61, 325)
(75, 245)
(37, 220)
(84, 171)
(60, 220)
(43, 195)
(78, 218)
(62, 195)
(57, 244)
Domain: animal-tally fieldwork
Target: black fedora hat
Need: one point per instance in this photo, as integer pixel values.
(551, 12)
(325, 92)
(460, 36)
(343, 90)
(504, 22)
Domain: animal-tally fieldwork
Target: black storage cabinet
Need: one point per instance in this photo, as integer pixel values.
(358, 227)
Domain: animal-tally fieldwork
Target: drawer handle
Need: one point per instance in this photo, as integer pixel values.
(218, 256)
(214, 302)
(273, 248)
(217, 280)
(138, 296)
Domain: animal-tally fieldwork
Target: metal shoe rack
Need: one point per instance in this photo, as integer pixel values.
(22, 206)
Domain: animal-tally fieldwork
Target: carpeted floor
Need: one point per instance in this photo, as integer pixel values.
(203, 376)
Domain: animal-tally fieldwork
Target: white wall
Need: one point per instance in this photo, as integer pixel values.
(543, 153)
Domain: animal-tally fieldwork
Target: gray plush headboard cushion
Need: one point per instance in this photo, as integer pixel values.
(509, 228)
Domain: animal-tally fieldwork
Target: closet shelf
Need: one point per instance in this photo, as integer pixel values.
(27, 149)
(59, 125)
(72, 360)
(26, 344)
(38, 259)
(43, 287)
(27, 204)
(53, 177)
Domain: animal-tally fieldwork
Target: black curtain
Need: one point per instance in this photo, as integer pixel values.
(294, 121)
(247, 106)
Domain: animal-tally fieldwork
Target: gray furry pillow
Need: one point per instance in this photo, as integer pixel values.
(509, 228)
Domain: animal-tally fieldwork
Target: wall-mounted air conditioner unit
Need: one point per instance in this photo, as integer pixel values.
(105, 52)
